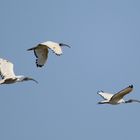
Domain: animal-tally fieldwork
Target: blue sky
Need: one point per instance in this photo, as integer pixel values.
(104, 55)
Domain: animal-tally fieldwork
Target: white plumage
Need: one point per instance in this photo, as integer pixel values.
(41, 51)
(105, 95)
(8, 75)
(6, 69)
(116, 98)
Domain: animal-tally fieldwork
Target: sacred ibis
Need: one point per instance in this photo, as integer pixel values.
(7, 73)
(42, 49)
(117, 98)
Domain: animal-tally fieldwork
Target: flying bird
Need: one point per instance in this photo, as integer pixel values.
(7, 73)
(117, 98)
(42, 49)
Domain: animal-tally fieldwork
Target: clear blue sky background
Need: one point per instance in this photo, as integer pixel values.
(105, 55)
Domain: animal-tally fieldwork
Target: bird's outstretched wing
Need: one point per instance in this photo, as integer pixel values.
(6, 69)
(41, 53)
(122, 93)
(106, 96)
(55, 47)
(132, 100)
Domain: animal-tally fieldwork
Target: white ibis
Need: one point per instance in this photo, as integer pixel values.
(117, 98)
(7, 73)
(41, 51)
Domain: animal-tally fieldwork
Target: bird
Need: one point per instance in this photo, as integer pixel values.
(117, 98)
(7, 73)
(42, 49)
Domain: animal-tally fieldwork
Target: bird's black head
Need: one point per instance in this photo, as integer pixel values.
(131, 86)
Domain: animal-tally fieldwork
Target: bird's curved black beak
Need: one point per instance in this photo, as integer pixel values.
(34, 80)
(62, 44)
(29, 78)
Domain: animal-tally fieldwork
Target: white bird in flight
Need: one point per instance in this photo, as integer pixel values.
(41, 51)
(7, 73)
(117, 98)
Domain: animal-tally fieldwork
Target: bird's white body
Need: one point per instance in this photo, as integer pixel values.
(117, 98)
(41, 51)
(8, 75)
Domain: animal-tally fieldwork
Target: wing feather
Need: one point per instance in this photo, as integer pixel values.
(118, 96)
(106, 96)
(41, 53)
(55, 47)
(6, 69)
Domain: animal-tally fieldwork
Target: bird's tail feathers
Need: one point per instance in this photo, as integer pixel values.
(103, 102)
(31, 49)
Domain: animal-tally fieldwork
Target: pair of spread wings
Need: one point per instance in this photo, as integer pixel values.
(6, 69)
(41, 52)
(118, 96)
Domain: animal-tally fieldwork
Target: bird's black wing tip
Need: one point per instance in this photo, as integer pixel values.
(39, 65)
(99, 91)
